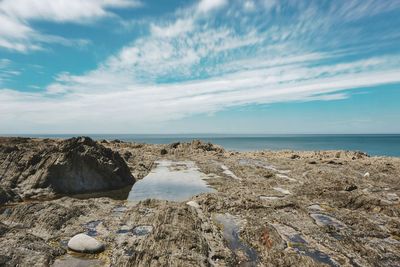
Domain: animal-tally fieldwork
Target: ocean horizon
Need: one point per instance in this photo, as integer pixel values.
(373, 144)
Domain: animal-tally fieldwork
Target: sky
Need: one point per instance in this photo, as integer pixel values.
(199, 66)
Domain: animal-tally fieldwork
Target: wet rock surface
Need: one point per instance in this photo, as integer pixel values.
(285, 209)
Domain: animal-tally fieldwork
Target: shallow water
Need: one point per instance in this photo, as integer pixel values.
(298, 243)
(374, 144)
(142, 230)
(171, 180)
(231, 235)
(270, 197)
(91, 227)
(229, 172)
(68, 260)
(322, 220)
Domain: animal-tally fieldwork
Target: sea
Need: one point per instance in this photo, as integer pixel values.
(373, 144)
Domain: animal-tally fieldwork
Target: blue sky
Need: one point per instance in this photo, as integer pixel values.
(199, 66)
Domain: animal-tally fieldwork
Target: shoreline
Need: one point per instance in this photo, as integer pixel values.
(279, 204)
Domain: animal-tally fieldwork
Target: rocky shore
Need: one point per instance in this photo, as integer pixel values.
(267, 208)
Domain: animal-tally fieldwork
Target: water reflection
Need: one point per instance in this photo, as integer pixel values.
(171, 180)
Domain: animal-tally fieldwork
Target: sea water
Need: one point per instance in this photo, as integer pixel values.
(373, 144)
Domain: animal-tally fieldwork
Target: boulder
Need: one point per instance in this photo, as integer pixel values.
(85, 244)
(72, 166)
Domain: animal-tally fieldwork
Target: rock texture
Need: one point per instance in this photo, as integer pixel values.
(333, 216)
(34, 168)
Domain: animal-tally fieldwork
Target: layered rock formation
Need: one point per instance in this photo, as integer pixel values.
(269, 208)
(31, 168)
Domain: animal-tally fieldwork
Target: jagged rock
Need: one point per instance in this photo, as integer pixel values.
(85, 244)
(76, 165)
(351, 187)
(7, 195)
(127, 155)
(199, 145)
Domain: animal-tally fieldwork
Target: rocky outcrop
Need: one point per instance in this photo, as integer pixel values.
(32, 167)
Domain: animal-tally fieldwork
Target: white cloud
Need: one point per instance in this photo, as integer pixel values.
(172, 30)
(17, 34)
(209, 5)
(249, 5)
(74, 11)
(193, 65)
(7, 70)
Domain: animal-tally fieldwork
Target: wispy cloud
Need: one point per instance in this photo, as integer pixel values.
(7, 71)
(211, 56)
(17, 34)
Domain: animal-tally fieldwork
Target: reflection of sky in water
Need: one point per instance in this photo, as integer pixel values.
(76, 261)
(175, 181)
(296, 241)
(231, 234)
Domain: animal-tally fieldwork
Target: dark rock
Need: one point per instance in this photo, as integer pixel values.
(350, 188)
(295, 156)
(7, 195)
(174, 145)
(127, 155)
(163, 151)
(360, 155)
(199, 145)
(71, 166)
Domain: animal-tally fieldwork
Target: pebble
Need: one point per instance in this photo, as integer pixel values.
(366, 175)
(85, 244)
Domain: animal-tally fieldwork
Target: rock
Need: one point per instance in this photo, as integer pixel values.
(163, 151)
(7, 195)
(85, 244)
(350, 188)
(295, 156)
(366, 175)
(127, 155)
(392, 197)
(72, 166)
(174, 145)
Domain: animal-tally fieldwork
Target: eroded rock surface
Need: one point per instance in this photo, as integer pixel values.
(333, 215)
(33, 168)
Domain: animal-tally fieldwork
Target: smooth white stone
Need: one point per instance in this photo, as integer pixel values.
(85, 244)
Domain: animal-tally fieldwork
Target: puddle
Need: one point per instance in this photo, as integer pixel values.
(69, 260)
(91, 227)
(282, 190)
(283, 176)
(269, 198)
(119, 211)
(142, 230)
(259, 163)
(231, 231)
(322, 220)
(124, 230)
(229, 172)
(298, 243)
(171, 180)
